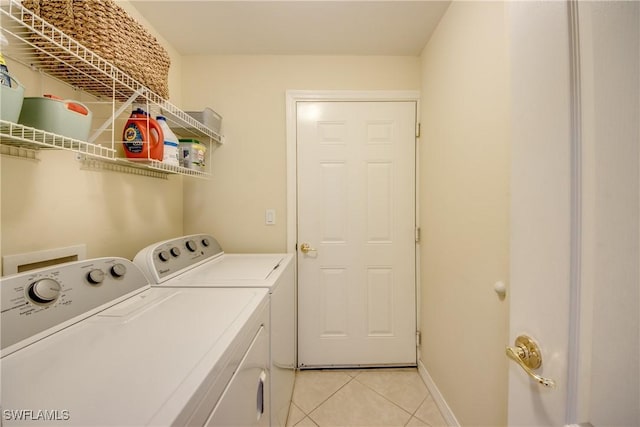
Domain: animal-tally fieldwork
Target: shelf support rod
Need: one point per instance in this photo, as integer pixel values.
(111, 119)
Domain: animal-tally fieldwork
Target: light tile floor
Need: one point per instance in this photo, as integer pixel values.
(363, 397)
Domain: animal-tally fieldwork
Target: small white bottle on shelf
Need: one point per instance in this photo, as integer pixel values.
(170, 156)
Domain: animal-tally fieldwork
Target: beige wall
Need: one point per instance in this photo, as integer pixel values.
(249, 171)
(53, 203)
(464, 210)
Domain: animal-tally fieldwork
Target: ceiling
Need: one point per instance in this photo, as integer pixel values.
(294, 27)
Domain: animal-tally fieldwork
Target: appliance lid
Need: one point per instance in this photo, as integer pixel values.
(140, 362)
(261, 270)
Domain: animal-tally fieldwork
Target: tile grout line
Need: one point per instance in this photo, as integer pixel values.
(417, 409)
(394, 403)
(354, 377)
(305, 415)
(321, 403)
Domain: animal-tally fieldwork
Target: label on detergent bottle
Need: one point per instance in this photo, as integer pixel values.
(5, 80)
(134, 142)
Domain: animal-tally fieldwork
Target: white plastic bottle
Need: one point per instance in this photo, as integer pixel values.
(170, 156)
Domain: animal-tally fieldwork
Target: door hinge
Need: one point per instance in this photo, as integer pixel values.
(417, 235)
(418, 130)
(418, 338)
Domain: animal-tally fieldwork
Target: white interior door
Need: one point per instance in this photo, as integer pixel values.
(575, 215)
(541, 209)
(356, 213)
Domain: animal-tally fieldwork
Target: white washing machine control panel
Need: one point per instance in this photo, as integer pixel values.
(164, 260)
(36, 301)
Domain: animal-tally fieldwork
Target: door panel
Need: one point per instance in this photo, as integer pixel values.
(356, 211)
(575, 216)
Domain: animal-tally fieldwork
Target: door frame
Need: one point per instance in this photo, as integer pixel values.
(292, 97)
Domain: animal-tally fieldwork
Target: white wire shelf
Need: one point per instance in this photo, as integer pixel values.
(152, 168)
(20, 136)
(41, 46)
(21, 152)
(35, 42)
(164, 167)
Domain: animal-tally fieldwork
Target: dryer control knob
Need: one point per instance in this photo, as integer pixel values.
(191, 245)
(175, 251)
(164, 256)
(118, 270)
(205, 242)
(95, 276)
(44, 291)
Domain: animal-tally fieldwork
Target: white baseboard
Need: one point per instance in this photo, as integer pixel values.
(446, 411)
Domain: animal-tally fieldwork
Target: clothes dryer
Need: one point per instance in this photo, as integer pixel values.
(92, 343)
(197, 261)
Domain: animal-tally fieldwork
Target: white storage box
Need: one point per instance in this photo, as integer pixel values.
(207, 117)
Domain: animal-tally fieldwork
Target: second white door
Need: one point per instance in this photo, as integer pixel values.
(356, 233)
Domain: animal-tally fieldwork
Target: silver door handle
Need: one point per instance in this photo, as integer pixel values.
(527, 354)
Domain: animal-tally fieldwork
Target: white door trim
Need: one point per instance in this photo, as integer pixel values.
(292, 97)
(575, 378)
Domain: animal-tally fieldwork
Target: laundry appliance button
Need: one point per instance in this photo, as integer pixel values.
(44, 291)
(95, 276)
(191, 245)
(118, 270)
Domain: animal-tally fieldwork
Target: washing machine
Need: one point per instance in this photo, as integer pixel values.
(197, 261)
(91, 343)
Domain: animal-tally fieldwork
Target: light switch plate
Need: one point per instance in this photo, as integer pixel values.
(270, 217)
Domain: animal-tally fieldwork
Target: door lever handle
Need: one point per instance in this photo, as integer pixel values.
(306, 248)
(527, 354)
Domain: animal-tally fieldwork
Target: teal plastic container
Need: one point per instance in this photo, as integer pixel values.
(60, 116)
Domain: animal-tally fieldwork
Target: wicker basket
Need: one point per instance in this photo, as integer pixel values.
(106, 29)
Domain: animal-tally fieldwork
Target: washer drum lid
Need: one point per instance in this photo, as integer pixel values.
(236, 270)
(134, 364)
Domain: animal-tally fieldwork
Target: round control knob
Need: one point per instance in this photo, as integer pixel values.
(95, 276)
(175, 251)
(205, 242)
(44, 291)
(164, 256)
(118, 270)
(191, 245)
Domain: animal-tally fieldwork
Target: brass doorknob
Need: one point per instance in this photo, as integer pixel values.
(526, 353)
(306, 248)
